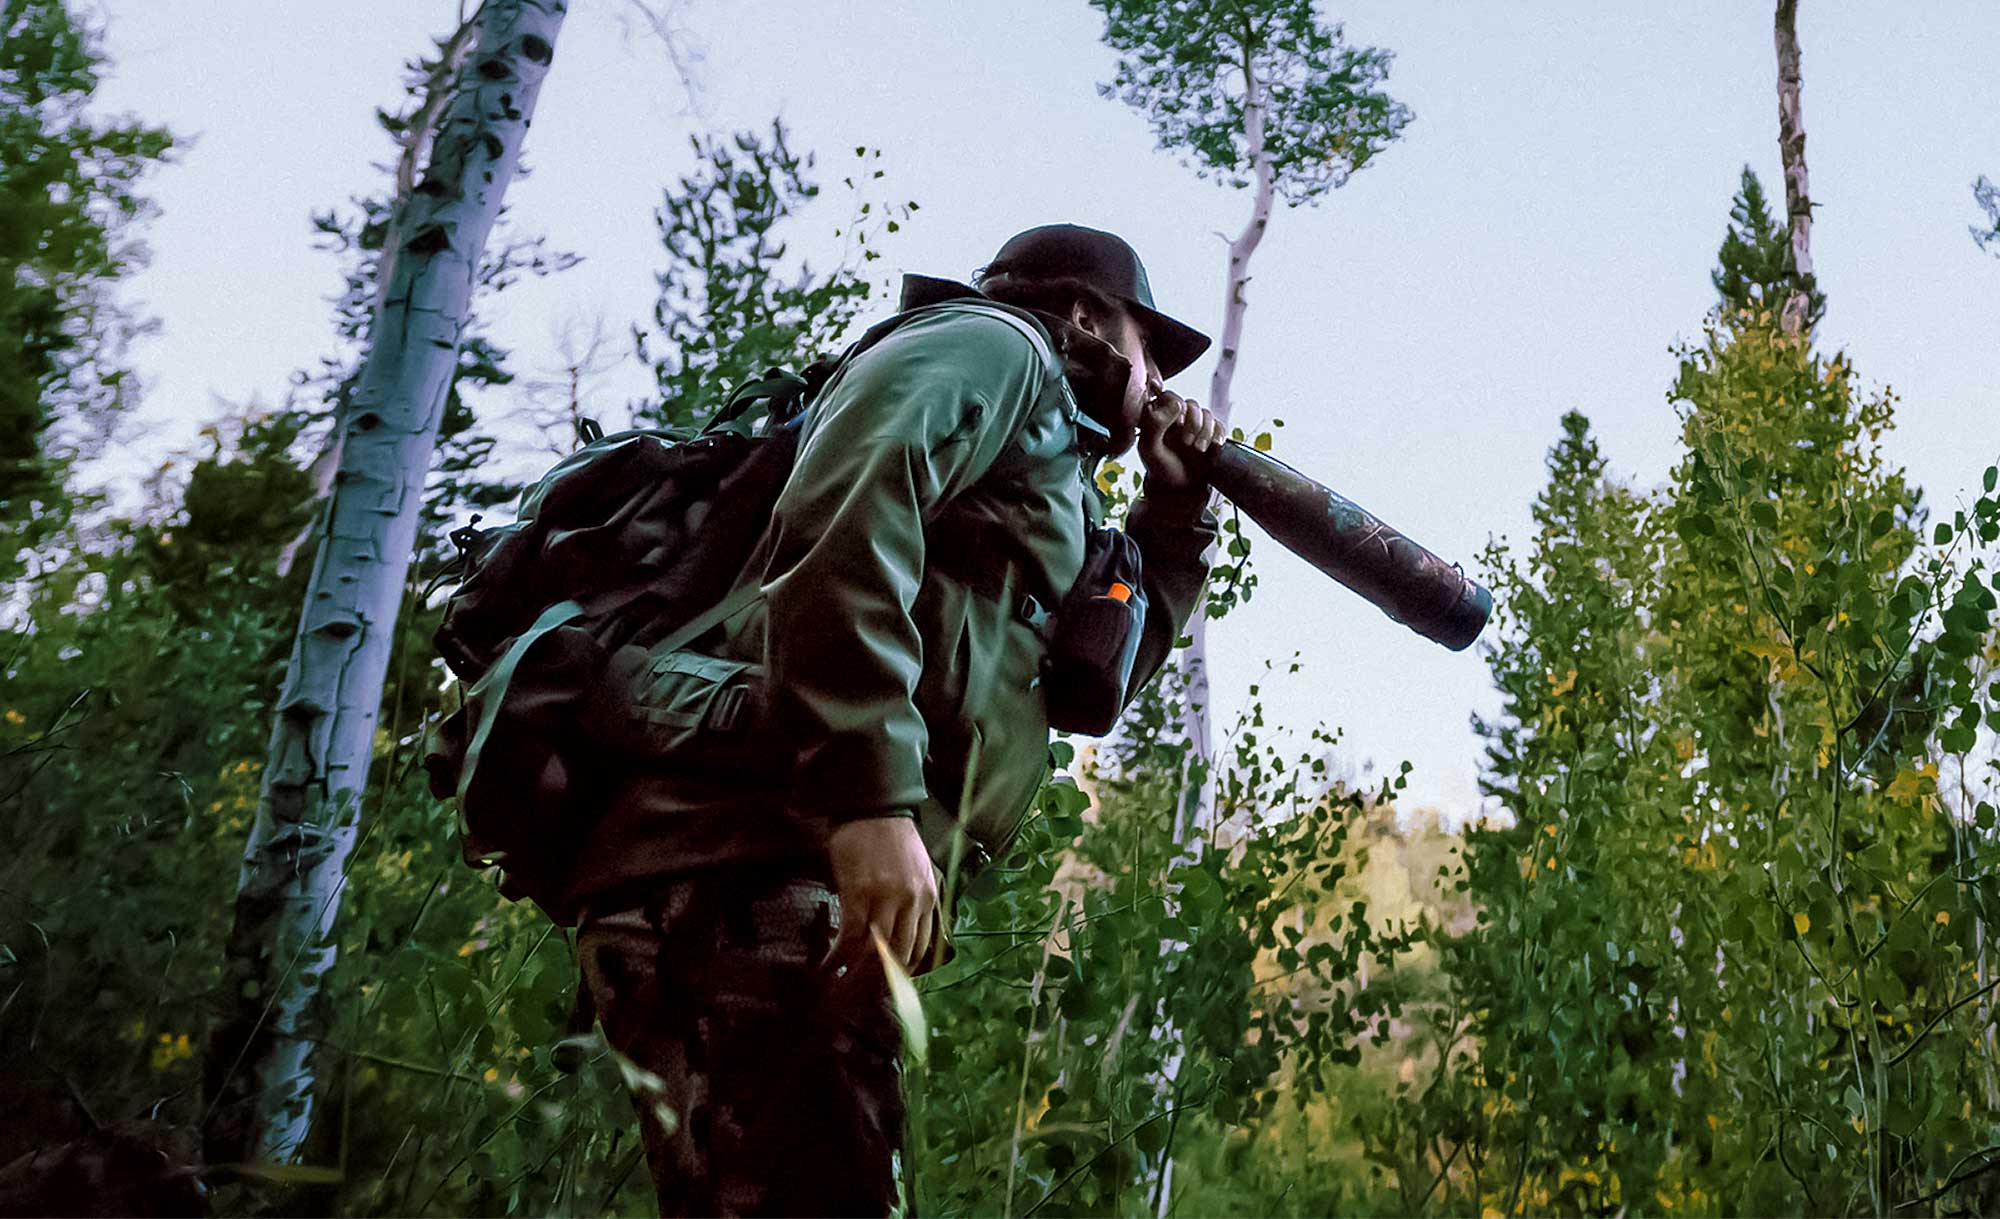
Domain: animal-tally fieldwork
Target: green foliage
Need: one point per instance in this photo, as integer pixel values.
(69, 203)
(1732, 948)
(1054, 1084)
(137, 710)
(140, 675)
(1187, 68)
(731, 302)
(242, 503)
(1725, 945)
(137, 698)
(1754, 266)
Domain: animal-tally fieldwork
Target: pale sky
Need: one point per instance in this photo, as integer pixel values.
(1537, 242)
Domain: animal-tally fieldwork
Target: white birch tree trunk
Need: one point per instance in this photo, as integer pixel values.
(1792, 154)
(417, 139)
(1191, 818)
(263, 1067)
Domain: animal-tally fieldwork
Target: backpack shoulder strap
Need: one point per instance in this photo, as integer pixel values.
(490, 691)
(739, 598)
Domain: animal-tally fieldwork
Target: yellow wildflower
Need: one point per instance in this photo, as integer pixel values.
(171, 1050)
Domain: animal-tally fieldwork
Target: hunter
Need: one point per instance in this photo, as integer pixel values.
(938, 508)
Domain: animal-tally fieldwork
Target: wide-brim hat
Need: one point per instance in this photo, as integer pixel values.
(1106, 262)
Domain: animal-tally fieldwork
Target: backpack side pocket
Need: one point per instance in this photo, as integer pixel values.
(678, 709)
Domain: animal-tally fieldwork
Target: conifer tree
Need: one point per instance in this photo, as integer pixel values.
(733, 301)
(1787, 873)
(1754, 266)
(1737, 947)
(1527, 1031)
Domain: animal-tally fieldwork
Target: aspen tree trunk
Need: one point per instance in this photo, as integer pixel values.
(1195, 720)
(417, 140)
(1792, 153)
(264, 1060)
(1192, 817)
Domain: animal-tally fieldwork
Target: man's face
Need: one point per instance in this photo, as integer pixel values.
(1123, 333)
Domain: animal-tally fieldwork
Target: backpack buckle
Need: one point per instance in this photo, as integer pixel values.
(1032, 613)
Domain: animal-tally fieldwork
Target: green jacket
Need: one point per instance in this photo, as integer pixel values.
(943, 481)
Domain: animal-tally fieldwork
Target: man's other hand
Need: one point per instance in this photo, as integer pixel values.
(886, 884)
(1175, 435)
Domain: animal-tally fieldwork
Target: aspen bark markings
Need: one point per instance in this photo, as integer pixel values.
(1195, 721)
(1792, 153)
(263, 1060)
(417, 140)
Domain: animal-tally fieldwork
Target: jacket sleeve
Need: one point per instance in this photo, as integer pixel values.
(1173, 541)
(909, 424)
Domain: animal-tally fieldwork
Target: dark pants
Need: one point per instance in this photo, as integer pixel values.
(776, 1087)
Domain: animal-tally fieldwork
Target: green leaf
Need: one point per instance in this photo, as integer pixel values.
(908, 1005)
(1696, 525)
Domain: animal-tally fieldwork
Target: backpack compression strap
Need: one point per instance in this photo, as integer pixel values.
(492, 687)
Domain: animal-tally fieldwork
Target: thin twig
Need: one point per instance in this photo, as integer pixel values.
(1939, 1018)
(680, 52)
(1960, 1178)
(1108, 1148)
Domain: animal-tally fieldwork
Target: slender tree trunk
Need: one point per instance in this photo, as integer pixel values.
(416, 141)
(263, 1062)
(1195, 720)
(1192, 817)
(1792, 152)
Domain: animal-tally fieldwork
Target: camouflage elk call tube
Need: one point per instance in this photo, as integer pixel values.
(1434, 598)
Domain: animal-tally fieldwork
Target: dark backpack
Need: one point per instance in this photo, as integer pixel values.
(631, 542)
(569, 626)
